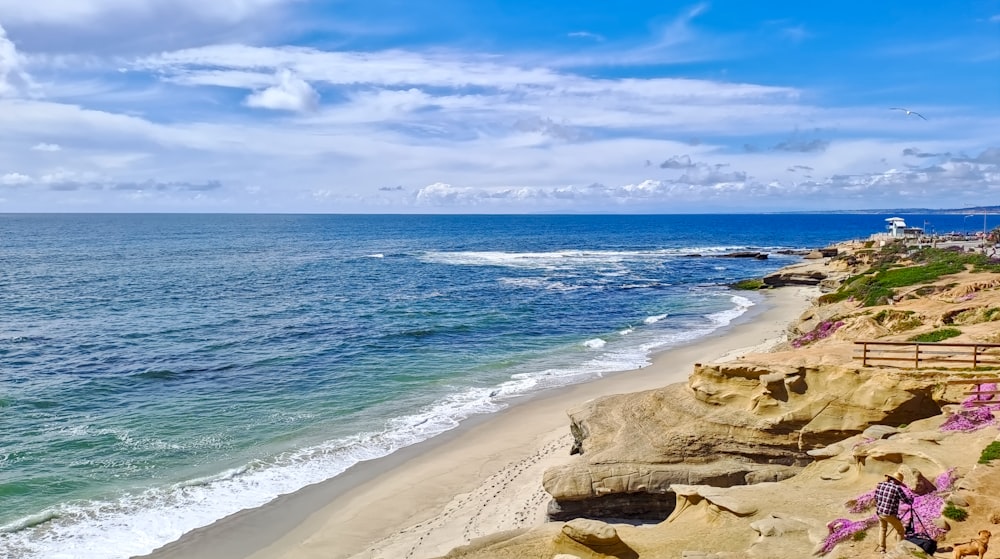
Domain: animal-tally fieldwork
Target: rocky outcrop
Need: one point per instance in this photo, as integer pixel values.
(596, 537)
(731, 424)
(790, 518)
(741, 254)
(745, 254)
(827, 273)
(781, 279)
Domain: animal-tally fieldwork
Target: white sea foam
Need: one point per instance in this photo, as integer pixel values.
(376, 255)
(742, 305)
(596, 343)
(539, 283)
(655, 318)
(565, 259)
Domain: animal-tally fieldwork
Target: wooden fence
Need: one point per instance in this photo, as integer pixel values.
(983, 397)
(937, 355)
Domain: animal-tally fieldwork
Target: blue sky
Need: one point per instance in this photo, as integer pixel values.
(497, 106)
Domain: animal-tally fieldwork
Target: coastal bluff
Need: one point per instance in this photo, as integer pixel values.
(755, 456)
(732, 424)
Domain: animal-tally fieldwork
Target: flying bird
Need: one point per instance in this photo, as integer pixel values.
(907, 111)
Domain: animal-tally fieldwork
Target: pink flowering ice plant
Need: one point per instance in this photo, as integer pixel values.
(973, 416)
(925, 508)
(842, 529)
(821, 331)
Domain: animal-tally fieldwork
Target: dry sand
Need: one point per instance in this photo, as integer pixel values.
(481, 478)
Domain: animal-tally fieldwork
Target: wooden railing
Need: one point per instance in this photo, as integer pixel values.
(939, 355)
(982, 397)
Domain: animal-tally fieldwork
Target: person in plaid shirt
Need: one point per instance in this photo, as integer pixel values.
(888, 495)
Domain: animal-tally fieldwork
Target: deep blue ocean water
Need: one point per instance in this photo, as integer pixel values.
(159, 372)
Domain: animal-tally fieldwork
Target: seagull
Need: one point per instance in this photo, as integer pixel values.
(907, 111)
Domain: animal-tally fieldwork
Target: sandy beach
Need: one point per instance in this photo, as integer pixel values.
(481, 478)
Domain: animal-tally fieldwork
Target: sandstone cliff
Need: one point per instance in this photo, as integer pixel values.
(754, 457)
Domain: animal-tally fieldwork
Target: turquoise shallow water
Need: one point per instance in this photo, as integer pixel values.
(158, 372)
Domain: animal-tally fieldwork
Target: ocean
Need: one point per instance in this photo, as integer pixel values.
(159, 372)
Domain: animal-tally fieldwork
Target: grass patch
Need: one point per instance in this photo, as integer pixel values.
(991, 452)
(936, 335)
(860, 536)
(898, 266)
(954, 512)
(898, 321)
(748, 284)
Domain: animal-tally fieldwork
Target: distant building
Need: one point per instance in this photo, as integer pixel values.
(897, 229)
(896, 226)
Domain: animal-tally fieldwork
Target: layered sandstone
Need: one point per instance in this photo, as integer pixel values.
(754, 457)
(731, 424)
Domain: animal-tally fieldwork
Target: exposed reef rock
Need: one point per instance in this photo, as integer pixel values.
(732, 424)
(827, 275)
(745, 254)
(781, 279)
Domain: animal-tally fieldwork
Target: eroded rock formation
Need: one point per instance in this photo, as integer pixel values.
(731, 424)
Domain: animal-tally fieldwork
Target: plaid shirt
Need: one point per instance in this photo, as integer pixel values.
(887, 498)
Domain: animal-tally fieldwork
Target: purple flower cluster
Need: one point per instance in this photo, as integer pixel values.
(986, 387)
(842, 529)
(925, 508)
(966, 420)
(823, 330)
(862, 503)
(972, 417)
(946, 480)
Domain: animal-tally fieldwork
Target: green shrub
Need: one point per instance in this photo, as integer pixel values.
(954, 512)
(748, 284)
(991, 452)
(936, 335)
(899, 321)
(924, 265)
(860, 536)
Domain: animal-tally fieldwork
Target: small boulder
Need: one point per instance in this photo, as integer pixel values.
(775, 526)
(591, 533)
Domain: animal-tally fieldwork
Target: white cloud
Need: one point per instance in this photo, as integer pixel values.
(390, 68)
(13, 78)
(14, 179)
(486, 133)
(384, 84)
(290, 94)
(995, 19)
(586, 35)
(84, 12)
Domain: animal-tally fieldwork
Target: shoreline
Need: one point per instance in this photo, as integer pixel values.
(477, 479)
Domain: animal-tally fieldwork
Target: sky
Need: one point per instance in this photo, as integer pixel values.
(497, 106)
